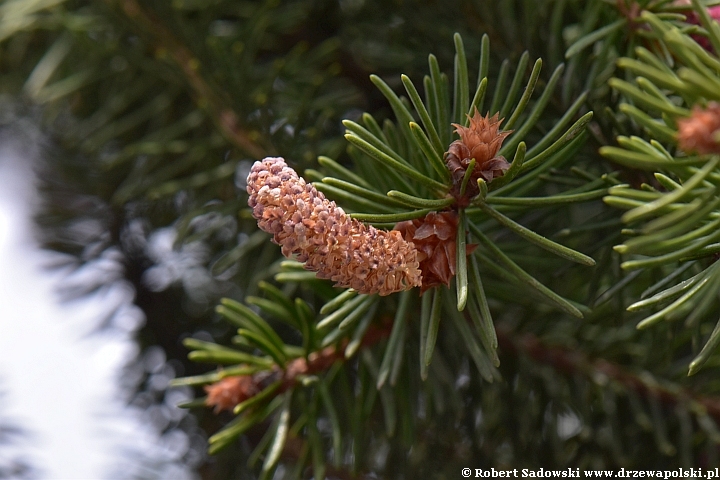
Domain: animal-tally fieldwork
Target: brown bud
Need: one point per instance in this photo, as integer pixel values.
(230, 391)
(329, 242)
(697, 132)
(482, 141)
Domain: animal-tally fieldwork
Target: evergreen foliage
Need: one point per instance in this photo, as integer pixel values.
(554, 345)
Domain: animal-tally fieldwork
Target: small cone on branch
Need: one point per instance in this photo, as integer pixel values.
(697, 132)
(435, 237)
(329, 242)
(482, 141)
(230, 391)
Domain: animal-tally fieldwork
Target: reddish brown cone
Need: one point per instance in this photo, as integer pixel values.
(435, 237)
(697, 132)
(230, 391)
(482, 141)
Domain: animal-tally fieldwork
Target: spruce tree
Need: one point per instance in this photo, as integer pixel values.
(396, 239)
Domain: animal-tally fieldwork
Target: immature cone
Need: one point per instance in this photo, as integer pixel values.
(696, 133)
(329, 242)
(482, 141)
(435, 237)
(230, 391)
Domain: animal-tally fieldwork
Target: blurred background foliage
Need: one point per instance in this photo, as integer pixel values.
(13, 462)
(154, 112)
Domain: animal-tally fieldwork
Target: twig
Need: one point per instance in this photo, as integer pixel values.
(570, 361)
(224, 117)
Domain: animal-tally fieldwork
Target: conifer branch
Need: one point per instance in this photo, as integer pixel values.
(467, 214)
(289, 376)
(574, 361)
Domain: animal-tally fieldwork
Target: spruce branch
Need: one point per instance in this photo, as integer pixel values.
(431, 206)
(488, 173)
(566, 362)
(677, 222)
(303, 221)
(573, 362)
(251, 388)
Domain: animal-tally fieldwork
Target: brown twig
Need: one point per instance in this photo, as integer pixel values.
(570, 362)
(322, 360)
(230, 391)
(565, 361)
(226, 119)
